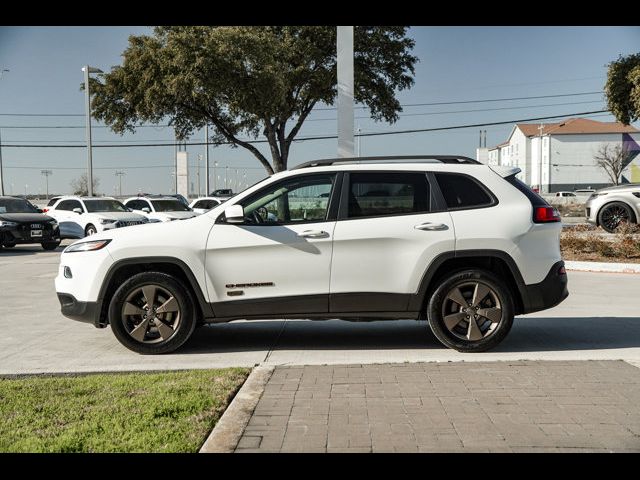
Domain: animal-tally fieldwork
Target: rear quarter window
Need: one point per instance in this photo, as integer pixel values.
(535, 199)
(462, 191)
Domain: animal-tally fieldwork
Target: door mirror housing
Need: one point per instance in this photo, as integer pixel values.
(234, 214)
(77, 210)
(146, 209)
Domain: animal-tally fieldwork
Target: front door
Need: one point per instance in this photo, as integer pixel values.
(278, 261)
(389, 230)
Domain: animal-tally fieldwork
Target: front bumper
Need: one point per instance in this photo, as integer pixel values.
(86, 312)
(548, 293)
(22, 234)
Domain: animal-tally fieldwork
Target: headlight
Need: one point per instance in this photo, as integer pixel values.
(53, 223)
(4, 223)
(636, 194)
(596, 195)
(105, 221)
(86, 246)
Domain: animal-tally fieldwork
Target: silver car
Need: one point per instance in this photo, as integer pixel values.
(608, 207)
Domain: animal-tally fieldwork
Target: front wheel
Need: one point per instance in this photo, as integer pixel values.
(90, 230)
(50, 245)
(152, 313)
(471, 311)
(613, 214)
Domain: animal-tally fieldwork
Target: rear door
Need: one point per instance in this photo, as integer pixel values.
(390, 227)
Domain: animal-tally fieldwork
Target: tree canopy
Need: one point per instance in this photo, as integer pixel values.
(623, 88)
(246, 81)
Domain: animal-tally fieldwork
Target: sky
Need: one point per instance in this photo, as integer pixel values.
(456, 64)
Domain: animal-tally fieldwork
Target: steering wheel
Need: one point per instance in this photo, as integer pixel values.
(259, 215)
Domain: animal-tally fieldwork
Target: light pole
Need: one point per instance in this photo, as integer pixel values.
(120, 174)
(198, 173)
(226, 176)
(358, 144)
(1, 171)
(87, 70)
(215, 164)
(25, 190)
(46, 174)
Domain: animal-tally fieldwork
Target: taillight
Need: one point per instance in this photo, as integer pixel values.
(45, 210)
(545, 215)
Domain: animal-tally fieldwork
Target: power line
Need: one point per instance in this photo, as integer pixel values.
(334, 108)
(467, 111)
(324, 137)
(478, 101)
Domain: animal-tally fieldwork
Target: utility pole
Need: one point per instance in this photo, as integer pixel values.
(215, 164)
(358, 144)
(206, 160)
(2, 72)
(226, 176)
(540, 129)
(345, 90)
(46, 174)
(120, 174)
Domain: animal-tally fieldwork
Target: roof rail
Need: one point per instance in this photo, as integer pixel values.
(459, 159)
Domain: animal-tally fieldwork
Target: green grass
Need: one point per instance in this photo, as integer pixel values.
(124, 412)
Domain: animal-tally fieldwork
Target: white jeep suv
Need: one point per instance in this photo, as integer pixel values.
(464, 245)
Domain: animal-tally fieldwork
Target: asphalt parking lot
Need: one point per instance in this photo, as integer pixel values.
(599, 321)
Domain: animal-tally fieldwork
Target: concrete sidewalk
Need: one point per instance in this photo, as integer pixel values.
(527, 406)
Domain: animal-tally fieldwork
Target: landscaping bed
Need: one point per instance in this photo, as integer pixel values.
(119, 412)
(588, 243)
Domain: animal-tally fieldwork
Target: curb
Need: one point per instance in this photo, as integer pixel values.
(225, 436)
(602, 267)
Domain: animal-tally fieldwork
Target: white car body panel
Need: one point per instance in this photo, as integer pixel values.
(160, 216)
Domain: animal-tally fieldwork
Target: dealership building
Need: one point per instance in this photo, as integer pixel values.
(567, 150)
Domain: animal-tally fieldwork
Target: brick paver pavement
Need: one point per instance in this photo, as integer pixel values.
(527, 406)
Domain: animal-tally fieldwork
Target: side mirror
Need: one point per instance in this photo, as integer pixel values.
(77, 210)
(39, 210)
(234, 214)
(146, 209)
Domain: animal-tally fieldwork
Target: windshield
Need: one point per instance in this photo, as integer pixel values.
(16, 205)
(169, 206)
(104, 206)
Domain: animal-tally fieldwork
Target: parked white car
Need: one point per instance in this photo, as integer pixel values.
(79, 217)
(204, 204)
(464, 245)
(164, 209)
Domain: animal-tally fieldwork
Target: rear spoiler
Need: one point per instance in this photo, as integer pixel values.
(504, 171)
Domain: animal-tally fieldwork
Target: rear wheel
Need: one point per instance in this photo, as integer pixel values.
(50, 245)
(471, 311)
(613, 214)
(152, 313)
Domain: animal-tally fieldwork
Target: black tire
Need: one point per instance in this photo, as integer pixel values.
(122, 324)
(50, 245)
(90, 230)
(9, 245)
(498, 302)
(613, 214)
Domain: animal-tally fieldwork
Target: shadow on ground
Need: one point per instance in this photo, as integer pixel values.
(527, 335)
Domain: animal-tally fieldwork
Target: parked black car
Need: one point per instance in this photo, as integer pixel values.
(21, 222)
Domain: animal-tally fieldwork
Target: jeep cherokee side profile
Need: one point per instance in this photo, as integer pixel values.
(464, 245)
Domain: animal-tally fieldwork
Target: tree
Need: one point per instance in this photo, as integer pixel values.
(249, 80)
(613, 160)
(80, 186)
(623, 88)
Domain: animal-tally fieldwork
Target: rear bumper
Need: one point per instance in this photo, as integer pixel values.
(548, 293)
(86, 312)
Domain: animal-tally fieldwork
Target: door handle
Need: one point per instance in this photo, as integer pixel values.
(313, 234)
(431, 226)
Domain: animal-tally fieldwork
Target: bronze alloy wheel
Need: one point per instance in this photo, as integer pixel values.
(472, 310)
(151, 314)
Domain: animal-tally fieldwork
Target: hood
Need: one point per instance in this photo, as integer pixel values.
(178, 215)
(25, 217)
(635, 187)
(119, 215)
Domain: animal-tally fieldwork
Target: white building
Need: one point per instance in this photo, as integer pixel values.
(567, 149)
